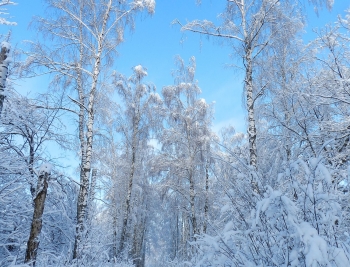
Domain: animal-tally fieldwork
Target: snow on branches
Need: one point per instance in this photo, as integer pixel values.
(149, 4)
(3, 12)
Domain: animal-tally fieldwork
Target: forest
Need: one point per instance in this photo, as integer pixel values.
(153, 183)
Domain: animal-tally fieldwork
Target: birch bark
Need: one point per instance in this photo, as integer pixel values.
(86, 163)
(4, 53)
(135, 128)
(206, 204)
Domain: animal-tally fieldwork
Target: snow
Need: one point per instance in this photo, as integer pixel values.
(340, 258)
(325, 174)
(154, 143)
(316, 248)
(330, 3)
(6, 22)
(202, 103)
(151, 5)
(8, 60)
(156, 98)
(225, 208)
(6, 45)
(313, 162)
(294, 261)
(45, 168)
(228, 226)
(139, 70)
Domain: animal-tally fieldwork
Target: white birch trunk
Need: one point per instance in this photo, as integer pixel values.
(138, 243)
(92, 191)
(115, 233)
(248, 82)
(128, 196)
(134, 145)
(86, 165)
(193, 207)
(206, 204)
(4, 62)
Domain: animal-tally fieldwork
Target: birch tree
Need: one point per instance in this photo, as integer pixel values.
(330, 88)
(111, 162)
(136, 123)
(250, 27)
(307, 96)
(281, 72)
(122, 154)
(184, 155)
(85, 36)
(4, 64)
(300, 119)
(5, 50)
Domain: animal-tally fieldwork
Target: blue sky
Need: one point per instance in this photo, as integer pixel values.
(155, 42)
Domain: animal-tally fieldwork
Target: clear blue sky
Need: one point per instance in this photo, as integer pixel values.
(155, 43)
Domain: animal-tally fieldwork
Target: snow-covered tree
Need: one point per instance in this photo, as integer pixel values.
(5, 48)
(250, 27)
(155, 186)
(85, 35)
(3, 12)
(184, 158)
(25, 133)
(299, 217)
(39, 205)
(137, 121)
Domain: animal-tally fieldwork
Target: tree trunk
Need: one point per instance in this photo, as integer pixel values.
(92, 192)
(39, 203)
(114, 207)
(139, 236)
(193, 207)
(248, 83)
(135, 129)
(175, 235)
(185, 236)
(81, 211)
(143, 250)
(137, 244)
(127, 201)
(90, 209)
(206, 204)
(5, 49)
(115, 233)
(86, 166)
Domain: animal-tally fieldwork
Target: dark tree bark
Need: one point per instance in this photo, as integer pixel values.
(39, 204)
